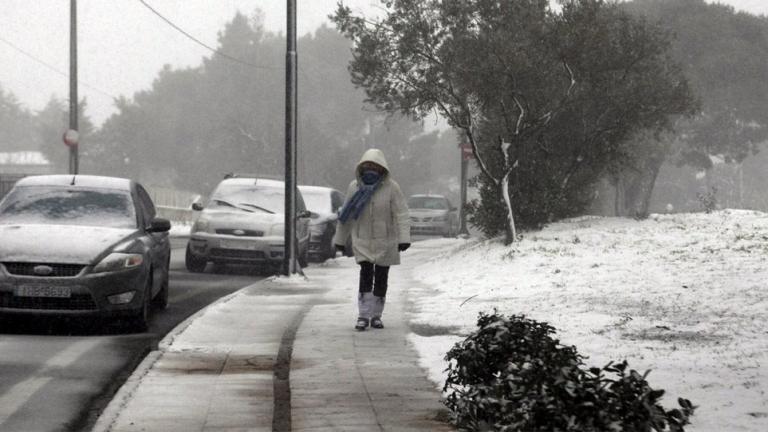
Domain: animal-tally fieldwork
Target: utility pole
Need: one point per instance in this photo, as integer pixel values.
(289, 256)
(73, 156)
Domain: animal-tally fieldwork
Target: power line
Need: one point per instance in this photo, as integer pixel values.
(199, 42)
(54, 69)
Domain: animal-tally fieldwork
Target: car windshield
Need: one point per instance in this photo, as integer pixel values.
(430, 203)
(317, 201)
(68, 206)
(252, 198)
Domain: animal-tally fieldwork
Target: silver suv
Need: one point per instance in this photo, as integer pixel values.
(244, 223)
(433, 215)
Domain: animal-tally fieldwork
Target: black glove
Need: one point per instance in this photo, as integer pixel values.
(402, 247)
(340, 248)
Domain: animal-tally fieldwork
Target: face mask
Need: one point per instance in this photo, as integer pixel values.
(370, 177)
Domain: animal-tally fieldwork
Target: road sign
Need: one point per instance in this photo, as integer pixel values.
(71, 138)
(466, 151)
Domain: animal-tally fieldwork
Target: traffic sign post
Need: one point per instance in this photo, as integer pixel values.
(466, 151)
(71, 138)
(466, 155)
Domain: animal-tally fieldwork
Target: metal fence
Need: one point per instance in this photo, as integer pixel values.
(7, 181)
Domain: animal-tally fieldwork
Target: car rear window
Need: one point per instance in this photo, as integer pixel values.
(68, 206)
(431, 203)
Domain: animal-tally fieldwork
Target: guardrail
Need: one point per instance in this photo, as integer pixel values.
(172, 204)
(175, 214)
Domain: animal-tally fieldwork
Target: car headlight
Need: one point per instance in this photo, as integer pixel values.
(277, 230)
(118, 261)
(201, 225)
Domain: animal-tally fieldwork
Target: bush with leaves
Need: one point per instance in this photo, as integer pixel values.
(512, 375)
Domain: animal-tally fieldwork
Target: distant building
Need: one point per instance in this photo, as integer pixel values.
(24, 162)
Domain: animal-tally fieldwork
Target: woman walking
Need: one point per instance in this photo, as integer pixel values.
(375, 214)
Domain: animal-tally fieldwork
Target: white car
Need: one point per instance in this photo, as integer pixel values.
(433, 215)
(244, 223)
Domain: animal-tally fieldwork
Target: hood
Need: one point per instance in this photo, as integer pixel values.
(224, 219)
(323, 218)
(64, 244)
(373, 155)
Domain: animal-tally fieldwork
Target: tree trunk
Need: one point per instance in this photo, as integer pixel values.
(510, 231)
(638, 189)
(618, 198)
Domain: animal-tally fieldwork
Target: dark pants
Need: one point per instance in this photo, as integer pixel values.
(373, 277)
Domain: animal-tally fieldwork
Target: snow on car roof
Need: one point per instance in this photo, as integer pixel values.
(240, 181)
(79, 180)
(315, 189)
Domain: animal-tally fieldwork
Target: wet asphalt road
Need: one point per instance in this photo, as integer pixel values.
(58, 375)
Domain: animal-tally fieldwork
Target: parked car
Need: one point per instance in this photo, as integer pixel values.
(244, 223)
(433, 215)
(324, 203)
(82, 245)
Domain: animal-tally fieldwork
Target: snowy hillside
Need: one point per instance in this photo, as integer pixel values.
(684, 295)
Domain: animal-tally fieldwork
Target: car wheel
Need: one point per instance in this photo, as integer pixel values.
(194, 264)
(330, 249)
(140, 321)
(348, 251)
(161, 299)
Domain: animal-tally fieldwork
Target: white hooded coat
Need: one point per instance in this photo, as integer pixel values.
(383, 223)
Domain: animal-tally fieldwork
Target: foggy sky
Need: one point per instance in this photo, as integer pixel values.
(122, 45)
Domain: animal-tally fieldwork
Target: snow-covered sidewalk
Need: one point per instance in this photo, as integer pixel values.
(684, 295)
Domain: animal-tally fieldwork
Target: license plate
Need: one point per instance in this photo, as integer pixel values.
(229, 244)
(42, 291)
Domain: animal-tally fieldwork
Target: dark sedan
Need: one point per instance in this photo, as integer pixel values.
(324, 204)
(82, 245)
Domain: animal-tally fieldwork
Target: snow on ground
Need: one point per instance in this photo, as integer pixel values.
(180, 229)
(683, 295)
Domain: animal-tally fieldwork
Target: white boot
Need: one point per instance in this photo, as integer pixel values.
(365, 304)
(378, 309)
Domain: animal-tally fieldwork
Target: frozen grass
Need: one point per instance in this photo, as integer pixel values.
(683, 295)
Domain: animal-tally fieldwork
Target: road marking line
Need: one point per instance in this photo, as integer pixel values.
(22, 392)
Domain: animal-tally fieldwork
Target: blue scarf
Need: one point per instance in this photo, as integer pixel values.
(370, 181)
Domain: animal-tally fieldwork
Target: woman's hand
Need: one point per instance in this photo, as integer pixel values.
(402, 247)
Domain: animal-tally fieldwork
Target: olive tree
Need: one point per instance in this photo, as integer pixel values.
(544, 98)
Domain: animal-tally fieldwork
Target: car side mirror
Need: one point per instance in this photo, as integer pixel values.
(196, 206)
(159, 225)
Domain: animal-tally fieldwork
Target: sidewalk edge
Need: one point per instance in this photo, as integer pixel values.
(109, 415)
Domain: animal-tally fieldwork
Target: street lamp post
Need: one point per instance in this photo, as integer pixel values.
(73, 156)
(289, 255)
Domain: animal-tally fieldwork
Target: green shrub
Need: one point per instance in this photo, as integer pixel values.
(512, 375)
